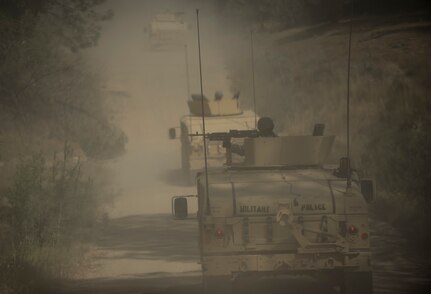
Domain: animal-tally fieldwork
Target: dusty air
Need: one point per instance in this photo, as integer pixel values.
(215, 146)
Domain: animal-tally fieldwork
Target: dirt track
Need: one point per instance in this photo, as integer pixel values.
(156, 254)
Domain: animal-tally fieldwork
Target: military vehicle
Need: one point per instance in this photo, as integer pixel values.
(281, 211)
(221, 115)
(166, 29)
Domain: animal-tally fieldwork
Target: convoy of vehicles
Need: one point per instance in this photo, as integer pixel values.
(267, 204)
(280, 211)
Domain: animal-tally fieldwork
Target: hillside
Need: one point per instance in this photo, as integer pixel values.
(301, 79)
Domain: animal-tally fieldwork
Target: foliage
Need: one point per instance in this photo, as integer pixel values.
(53, 205)
(284, 13)
(50, 103)
(399, 154)
(45, 89)
(74, 21)
(279, 14)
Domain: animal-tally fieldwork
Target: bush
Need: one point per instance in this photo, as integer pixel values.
(53, 210)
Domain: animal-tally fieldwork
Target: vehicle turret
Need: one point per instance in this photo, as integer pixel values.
(219, 106)
(222, 113)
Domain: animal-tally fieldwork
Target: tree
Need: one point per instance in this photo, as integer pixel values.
(43, 82)
(53, 116)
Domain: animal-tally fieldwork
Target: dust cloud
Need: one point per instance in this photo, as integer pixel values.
(151, 89)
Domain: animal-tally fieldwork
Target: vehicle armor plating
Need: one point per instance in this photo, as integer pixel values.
(280, 211)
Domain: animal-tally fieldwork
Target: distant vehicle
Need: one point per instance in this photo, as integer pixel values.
(220, 116)
(167, 29)
(280, 211)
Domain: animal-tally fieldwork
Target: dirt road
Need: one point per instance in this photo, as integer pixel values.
(156, 254)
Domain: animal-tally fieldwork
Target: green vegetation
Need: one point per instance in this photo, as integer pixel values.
(278, 14)
(56, 128)
(54, 210)
(275, 15)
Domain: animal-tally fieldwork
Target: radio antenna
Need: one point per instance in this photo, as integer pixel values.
(186, 59)
(253, 80)
(203, 107)
(349, 177)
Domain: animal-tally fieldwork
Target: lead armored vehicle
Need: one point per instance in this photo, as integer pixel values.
(280, 211)
(221, 115)
(166, 29)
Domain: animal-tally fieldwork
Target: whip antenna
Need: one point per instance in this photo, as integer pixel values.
(253, 80)
(186, 60)
(349, 178)
(203, 107)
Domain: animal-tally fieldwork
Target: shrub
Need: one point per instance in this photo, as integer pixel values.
(53, 210)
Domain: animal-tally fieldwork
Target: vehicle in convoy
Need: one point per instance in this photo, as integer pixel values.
(220, 116)
(166, 29)
(281, 211)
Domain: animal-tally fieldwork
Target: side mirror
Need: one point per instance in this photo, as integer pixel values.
(172, 133)
(368, 190)
(180, 206)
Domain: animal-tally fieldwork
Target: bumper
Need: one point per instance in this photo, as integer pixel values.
(285, 263)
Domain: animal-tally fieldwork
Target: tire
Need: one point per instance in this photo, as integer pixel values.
(218, 285)
(356, 283)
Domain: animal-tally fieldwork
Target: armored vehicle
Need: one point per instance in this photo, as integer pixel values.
(220, 116)
(167, 28)
(281, 211)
